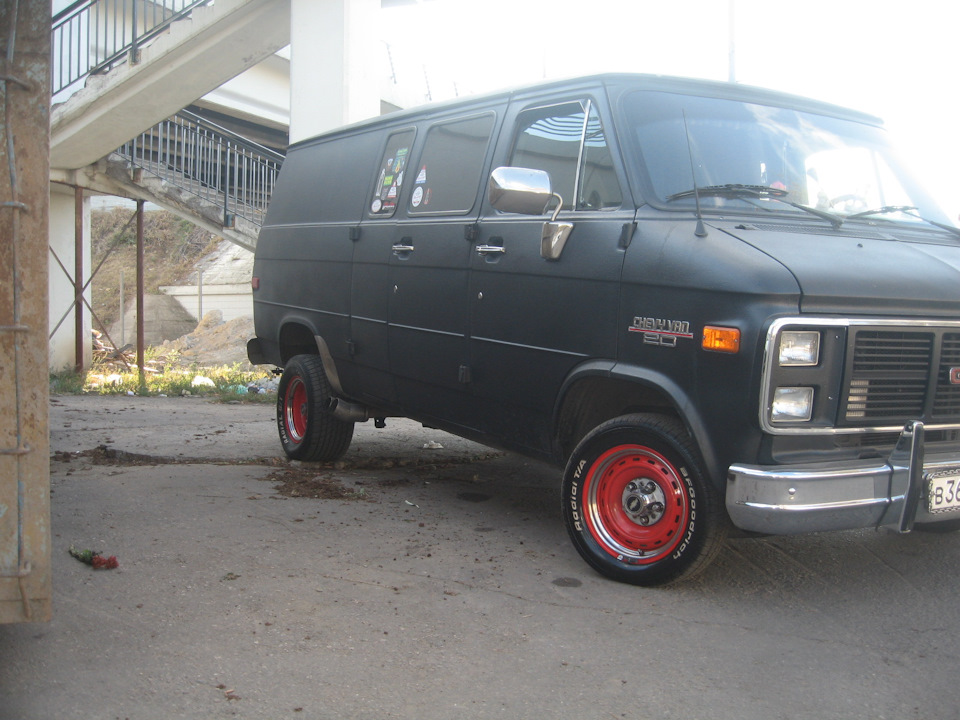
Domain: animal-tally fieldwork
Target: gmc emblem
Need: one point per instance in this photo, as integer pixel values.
(955, 376)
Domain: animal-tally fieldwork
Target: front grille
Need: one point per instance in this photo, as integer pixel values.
(896, 376)
(883, 443)
(947, 402)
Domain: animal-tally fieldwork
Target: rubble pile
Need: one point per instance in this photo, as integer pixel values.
(214, 342)
(124, 359)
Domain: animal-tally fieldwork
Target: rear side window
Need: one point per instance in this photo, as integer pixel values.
(568, 142)
(393, 166)
(447, 177)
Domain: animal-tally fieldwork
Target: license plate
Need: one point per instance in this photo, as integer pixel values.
(943, 490)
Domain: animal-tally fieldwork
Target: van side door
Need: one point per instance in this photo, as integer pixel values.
(535, 318)
(369, 281)
(429, 263)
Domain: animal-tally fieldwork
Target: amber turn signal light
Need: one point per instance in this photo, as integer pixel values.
(721, 339)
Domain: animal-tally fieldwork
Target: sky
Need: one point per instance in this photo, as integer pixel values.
(895, 59)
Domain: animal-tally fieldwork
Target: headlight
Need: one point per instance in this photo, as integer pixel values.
(799, 348)
(792, 404)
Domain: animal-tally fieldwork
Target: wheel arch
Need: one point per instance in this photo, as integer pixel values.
(598, 391)
(297, 336)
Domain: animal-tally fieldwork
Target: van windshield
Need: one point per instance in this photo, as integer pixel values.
(833, 165)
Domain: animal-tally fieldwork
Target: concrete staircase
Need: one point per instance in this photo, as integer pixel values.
(205, 210)
(194, 56)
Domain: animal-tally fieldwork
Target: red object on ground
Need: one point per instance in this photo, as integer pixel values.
(101, 563)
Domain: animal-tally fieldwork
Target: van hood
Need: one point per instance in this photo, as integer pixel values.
(863, 272)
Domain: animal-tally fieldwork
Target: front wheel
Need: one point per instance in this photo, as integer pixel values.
(307, 430)
(637, 504)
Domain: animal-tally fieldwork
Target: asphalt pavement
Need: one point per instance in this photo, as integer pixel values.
(427, 577)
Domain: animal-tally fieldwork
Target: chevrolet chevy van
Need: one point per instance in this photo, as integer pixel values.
(716, 307)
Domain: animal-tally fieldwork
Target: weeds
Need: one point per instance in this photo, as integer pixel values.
(67, 382)
(226, 383)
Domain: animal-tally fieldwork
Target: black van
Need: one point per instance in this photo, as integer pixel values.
(716, 306)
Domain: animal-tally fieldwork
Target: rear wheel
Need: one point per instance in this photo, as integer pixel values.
(637, 505)
(307, 430)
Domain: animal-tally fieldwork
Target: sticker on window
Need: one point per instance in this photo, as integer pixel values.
(390, 177)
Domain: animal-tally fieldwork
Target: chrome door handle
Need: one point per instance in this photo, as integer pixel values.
(400, 248)
(490, 249)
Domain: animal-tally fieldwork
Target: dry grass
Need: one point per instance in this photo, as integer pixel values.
(171, 247)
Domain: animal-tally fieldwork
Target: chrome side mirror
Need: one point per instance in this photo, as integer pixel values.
(528, 191)
(520, 190)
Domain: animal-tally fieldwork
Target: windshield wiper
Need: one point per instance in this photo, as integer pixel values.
(762, 192)
(906, 210)
(883, 211)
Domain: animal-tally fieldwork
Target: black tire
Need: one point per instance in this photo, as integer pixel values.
(307, 430)
(637, 503)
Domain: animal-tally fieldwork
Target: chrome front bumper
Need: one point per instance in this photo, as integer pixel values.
(839, 495)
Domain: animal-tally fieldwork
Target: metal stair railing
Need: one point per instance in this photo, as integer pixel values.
(91, 36)
(210, 162)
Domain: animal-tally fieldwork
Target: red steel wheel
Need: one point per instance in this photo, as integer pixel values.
(637, 504)
(295, 410)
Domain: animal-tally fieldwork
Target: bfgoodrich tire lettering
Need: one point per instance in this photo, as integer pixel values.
(637, 505)
(307, 430)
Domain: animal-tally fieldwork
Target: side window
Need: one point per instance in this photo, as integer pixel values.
(393, 165)
(549, 139)
(568, 142)
(449, 170)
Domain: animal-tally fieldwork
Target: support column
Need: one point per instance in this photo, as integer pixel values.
(334, 58)
(140, 293)
(25, 576)
(80, 338)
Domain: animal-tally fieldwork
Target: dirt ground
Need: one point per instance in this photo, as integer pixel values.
(437, 582)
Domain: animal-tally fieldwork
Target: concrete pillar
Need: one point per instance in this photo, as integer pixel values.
(25, 538)
(61, 292)
(334, 56)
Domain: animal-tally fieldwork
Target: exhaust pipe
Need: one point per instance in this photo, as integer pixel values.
(347, 411)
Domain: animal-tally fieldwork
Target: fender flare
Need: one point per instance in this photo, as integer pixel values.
(322, 349)
(685, 408)
(300, 320)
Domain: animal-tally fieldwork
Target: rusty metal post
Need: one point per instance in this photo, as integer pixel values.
(140, 293)
(25, 584)
(78, 338)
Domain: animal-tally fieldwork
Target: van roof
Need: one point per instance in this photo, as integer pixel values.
(662, 83)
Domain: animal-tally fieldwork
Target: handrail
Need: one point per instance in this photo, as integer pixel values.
(231, 135)
(91, 36)
(210, 162)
